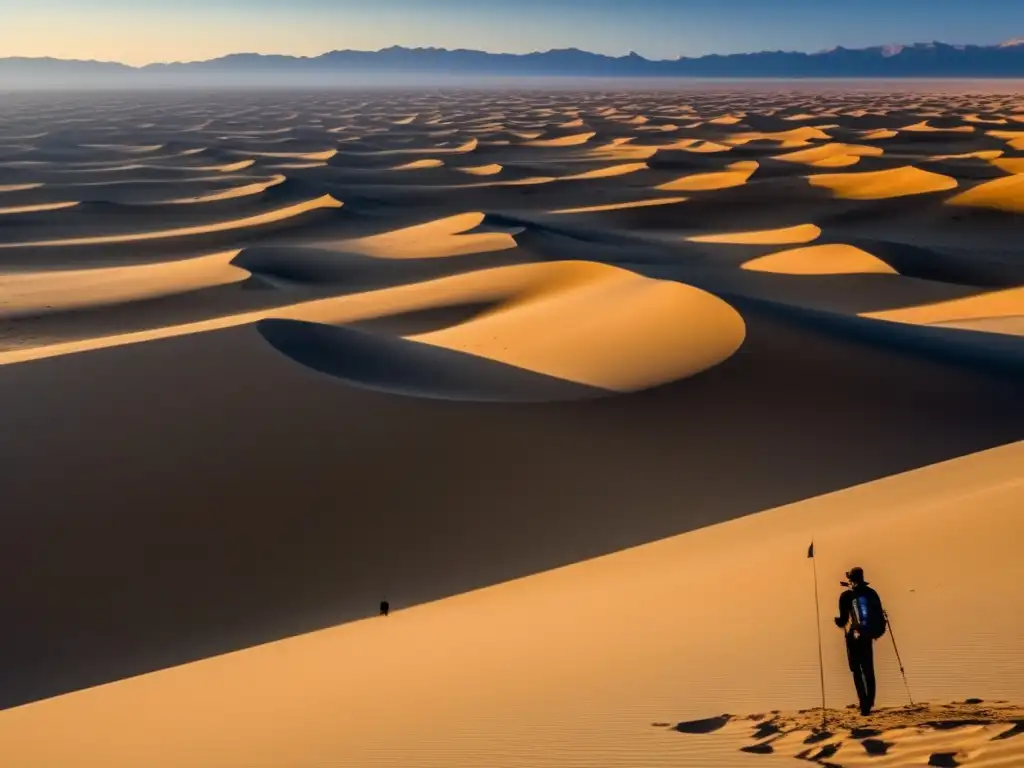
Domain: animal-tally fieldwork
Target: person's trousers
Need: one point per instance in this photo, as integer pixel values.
(862, 665)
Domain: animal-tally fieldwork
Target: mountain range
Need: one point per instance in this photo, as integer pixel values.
(889, 61)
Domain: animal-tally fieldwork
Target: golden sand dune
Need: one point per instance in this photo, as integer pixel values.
(924, 127)
(982, 305)
(880, 134)
(707, 181)
(819, 260)
(571, 140)
(602, 173)
(606, 207)
(481, 170)
(35, 293)
(230, 193)
(801, 233)
(1005, 194)
(416, 165)
(572, 378)
(799, 135)
(37, 208)
(829, 152)
(1012, 325)
(644, 335)
(450, 236)
(17, 187)
(879, 185)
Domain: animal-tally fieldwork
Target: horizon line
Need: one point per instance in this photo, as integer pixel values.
(1010, 42)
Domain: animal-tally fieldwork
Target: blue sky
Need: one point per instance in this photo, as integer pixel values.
(139, 31)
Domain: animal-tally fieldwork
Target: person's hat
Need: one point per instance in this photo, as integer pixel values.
(856, 574)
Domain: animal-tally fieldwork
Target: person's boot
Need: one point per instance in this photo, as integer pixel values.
(865, 708)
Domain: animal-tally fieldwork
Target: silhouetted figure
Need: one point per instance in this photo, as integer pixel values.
(861, 606)
(384, 607)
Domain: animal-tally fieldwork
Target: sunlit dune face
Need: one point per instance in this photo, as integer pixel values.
(1006, 194)
(572, 140)
(435, 239)
(801, 233)
(40, 293)
(41, 207)
(417, 165)
(481, 170)
(821, 155)
(709, 181)
(621, 206)
(610, 171)
(879, 185)
(981, 306)
(647, 332)
(829, 259)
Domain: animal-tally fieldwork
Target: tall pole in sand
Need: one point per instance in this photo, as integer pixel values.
(817, 615)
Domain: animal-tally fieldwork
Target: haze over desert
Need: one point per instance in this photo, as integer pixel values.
(570, 377)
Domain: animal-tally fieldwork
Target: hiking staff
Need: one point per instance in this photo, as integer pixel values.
(892, 636)
(817, 614)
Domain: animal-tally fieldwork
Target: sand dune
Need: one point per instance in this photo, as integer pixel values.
(572, 378)
(1008, 302)
(35, 293)
(801, 233)
(450, 236)
(878, 185)
(1001, 194)
(706, 181)
(819, 260)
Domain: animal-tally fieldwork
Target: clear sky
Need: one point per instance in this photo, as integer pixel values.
(141, 31)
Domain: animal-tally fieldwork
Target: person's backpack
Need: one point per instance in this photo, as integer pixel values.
(867, 607)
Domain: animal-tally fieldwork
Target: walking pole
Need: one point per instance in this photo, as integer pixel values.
(892, 636)
(817, 614)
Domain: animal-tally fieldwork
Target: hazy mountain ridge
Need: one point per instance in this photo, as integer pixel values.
(917, 60)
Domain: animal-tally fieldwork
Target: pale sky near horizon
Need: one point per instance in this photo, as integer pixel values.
(142, 31)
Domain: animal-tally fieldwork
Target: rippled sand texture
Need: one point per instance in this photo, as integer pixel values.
(267, 359)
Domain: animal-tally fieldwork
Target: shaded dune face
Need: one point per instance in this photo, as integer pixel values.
(280, 353)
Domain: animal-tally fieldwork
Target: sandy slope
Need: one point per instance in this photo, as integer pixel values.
(575, 666)
(266, 359)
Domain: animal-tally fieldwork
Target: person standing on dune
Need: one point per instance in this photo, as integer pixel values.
(861, 606)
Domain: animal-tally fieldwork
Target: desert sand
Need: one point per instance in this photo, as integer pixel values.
(571, 378)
